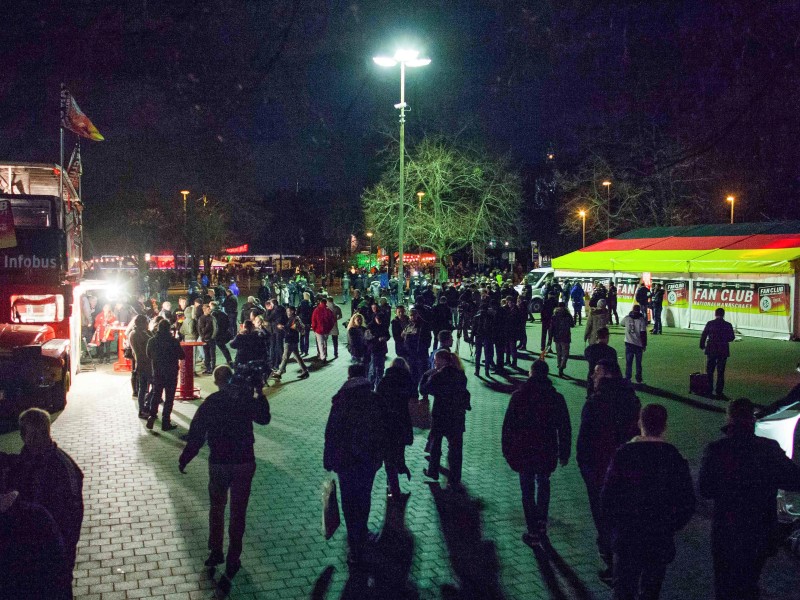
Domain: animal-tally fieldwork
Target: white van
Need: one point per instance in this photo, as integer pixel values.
(537, 279)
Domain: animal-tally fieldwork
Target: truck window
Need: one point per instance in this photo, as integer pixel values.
(31, 212)
(33, 308)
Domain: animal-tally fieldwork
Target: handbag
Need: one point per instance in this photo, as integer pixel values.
(128, 353)
(420, 413)
(330, 509)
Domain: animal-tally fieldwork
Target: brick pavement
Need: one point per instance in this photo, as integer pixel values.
(145, 528)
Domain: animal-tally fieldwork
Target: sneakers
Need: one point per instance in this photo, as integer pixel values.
(532, 539)
(151, 420)
(303, 375)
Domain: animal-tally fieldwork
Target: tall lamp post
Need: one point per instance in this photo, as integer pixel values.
(582, 215)
(732, 200)
(185, 193)
(369, 235)
(607, 185)
(405, 58)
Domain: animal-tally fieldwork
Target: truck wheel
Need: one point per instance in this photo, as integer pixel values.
(536, 305)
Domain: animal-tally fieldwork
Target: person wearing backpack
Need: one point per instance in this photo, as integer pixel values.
(537, 435)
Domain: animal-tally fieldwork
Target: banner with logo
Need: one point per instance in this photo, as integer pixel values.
(742, 297)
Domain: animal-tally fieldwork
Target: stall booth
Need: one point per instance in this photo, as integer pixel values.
(749, 269)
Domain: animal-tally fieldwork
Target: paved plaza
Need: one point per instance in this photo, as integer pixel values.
(144, 533)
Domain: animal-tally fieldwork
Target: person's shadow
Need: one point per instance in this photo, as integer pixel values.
(474, 560)
(386, 575)
(546, 558)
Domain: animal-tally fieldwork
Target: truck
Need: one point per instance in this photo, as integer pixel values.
(40, 271)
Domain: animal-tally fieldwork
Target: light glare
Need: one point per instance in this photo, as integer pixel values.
(384, 61)
(405, 55)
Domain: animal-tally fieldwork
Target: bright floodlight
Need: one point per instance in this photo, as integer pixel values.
(418, 62)
(406, 55)
(384, 61)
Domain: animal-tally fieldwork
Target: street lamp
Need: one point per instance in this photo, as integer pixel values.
(405, 58)
(420, 196)
(582, 215)
(732, 200)
(369, 235)
(185, 193)
(607, 185)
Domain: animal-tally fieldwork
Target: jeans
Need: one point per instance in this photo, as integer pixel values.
(144, 387)
(638, 576)
(237, 479)
(487, 347)
(562, 354)
(455, 446)
(594, 485)
(167, 388)
(355, 485)
(304, 338)
(657, 310)
(632, 351)
(535, 499)
(716, 363)
(210, 355)
(377, 363)
(322, 345)
(335, 340)
(290, 349)
(547, 336)
(578, 316)
(275, 348)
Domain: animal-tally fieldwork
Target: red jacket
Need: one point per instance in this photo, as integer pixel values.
(322, 320)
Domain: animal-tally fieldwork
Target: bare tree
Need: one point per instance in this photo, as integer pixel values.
(468, 199)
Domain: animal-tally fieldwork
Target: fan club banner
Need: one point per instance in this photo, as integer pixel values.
(743, 297)
(676, 292)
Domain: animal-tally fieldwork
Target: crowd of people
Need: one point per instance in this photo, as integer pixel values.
(639, 487)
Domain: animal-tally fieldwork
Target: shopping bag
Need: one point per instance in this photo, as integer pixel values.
(420, 412)
(330, 509)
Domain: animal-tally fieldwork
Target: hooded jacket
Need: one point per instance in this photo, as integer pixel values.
(598, 318)
(561, 326)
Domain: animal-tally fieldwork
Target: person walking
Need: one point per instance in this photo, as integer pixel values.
(165, 352)
(561, 330)
(337, 316)
(222, 331)
(577, 297)
(648, 496)
(395, 389)
(549, 306)
(451, 399)
(206, 330)
(225, 421)
(44, 474)
(715, 340)
(355, 448)
(377, 336)
(482, 337)
(292, 331)
(304, 311)
(596, 320)
(139, 338)
(609, 419)
(635, 341)
(742, 473)
(612, 303)
(322, 321)
(230, 306)
(536, 436)
(657, 302)
(597, 352)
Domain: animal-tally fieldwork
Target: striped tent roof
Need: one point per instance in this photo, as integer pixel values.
(737, 248)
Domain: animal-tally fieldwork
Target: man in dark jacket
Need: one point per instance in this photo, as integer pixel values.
(609, 418)
(395, 389)
(377, 337)
(561, 330)
(225, 420)
(612, 303)
(482, 324)
(536, 434)
(451, 399)
(230, 305)
(46, 475)
(742, 473)
(248, 344)
(442, 319)
(715, 340)
(642, 297)
(292, 330)
(398, 325)
(594, 353)
(548, 308)
(648, 496)
(355, 447)
(657, 302)
(222, 332)
(165, 352)
(206, 328)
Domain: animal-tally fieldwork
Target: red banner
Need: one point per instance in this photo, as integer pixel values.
(238, 249)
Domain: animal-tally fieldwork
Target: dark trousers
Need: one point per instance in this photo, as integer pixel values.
(134, 377)
(657, 310)
(355, 485)
(236, 479)
(167, 389)
(736, 572)
(716, 363)
(210, 355)
(377, 364)
(335, 340)
(225, 352)
(487, 348)
(304, 337)
(577, 318)
(144, 387)
(500, 355)
(535, 499)
(613, 315)
(511, 350)
(633, 352)
(290, 349)
(594, 485)
(638, 576)
(455, 446)
(547, 336)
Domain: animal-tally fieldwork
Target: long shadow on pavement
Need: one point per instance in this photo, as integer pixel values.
(474, 559)
(546, 558)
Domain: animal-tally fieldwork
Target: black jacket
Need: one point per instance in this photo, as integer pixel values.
(231, 306)
(451, 399)
(225, 420)
(716, 338)
(205, 327)
(594, 353)
(397, 327)
(396, 388)
(742, 474)
(561, 326)
(223, 333)
(536, 429)
(355, 436)
(647, 497)
(609, 418)
(165, 352)
(378, 336)
(249, 347)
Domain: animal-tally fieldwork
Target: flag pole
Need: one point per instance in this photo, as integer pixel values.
(61, 144)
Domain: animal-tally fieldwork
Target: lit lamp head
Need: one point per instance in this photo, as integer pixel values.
(409, 58)
(730, 199)
(607, 183)
(582, 214)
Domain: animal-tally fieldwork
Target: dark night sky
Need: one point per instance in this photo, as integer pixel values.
(237, 98)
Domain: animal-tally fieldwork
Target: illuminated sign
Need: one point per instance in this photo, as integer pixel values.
(238, 249)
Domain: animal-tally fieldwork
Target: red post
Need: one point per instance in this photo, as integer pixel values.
(186, 389)
(122, 364)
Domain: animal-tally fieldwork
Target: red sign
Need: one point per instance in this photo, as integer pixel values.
(740, 296)
(238, 249)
